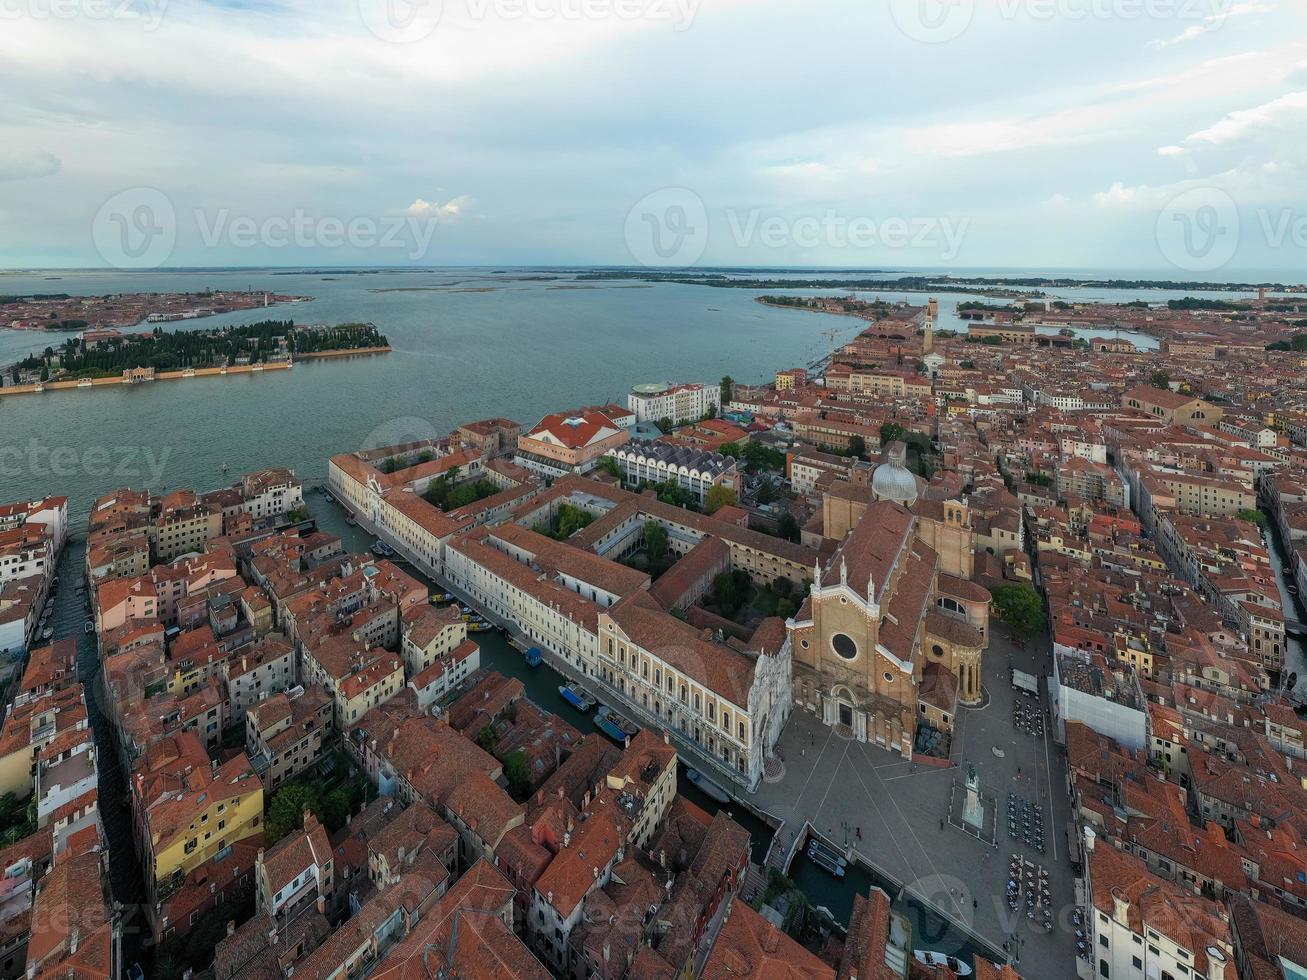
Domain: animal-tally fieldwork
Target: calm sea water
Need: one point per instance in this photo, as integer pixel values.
(468, 344)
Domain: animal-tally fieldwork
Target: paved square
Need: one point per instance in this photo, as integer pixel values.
(902, 810)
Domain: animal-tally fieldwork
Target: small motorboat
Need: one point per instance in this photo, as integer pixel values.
(351, 520)
(825, 863)
(88, 627)
(576, 696)
(708, 786)
(927, 958)
(47, 632)
(533, 657)
(480, 627)
(379, 548)
(833, 855)
(613, 725)
(436, 597)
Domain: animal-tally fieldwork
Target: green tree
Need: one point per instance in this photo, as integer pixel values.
(731, 449)
(609, 465)
(518, 774)
(789, 528)
(718, 497)
(1159, 379)
(757, 457)
(892, 432)
(1253, 516)
(569, 519)
(727, 595)
(655, 540)
(728, 386)
(665, 425)
(766, 493)
(1021, 608)
(286, 813)
(486, 738)
(858, 447)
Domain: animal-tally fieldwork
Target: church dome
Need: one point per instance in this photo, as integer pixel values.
(892, 480)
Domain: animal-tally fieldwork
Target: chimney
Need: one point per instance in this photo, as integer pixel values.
(1216, 960)
(1120, 905)
(272, 935)
(321, 904)
(607, 951)
(231, 926)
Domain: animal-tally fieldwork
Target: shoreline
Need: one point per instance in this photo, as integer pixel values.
(90, 383)
(37, 389)
(366, 351)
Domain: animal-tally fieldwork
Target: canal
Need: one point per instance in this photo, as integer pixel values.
(1295, 657)
(126, 882)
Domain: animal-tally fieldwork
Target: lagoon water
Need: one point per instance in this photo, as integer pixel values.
(468, 343)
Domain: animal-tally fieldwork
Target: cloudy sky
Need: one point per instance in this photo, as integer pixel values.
(1134, 135)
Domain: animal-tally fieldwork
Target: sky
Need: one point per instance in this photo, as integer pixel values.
(1166, 138)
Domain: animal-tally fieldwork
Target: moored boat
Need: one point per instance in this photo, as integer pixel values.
(830, 852)
(576, 696)
(533, 657)
(480, 627)
(825, 863)
(613, 725)
(928, 958)
(707, 786)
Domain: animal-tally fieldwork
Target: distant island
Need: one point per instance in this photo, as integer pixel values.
(107, 356)
(64, 312)
(1013, 287)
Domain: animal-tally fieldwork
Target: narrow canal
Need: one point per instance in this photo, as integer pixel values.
(1295, 657)
(71, 612)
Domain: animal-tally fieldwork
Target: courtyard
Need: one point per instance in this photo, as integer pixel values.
(895, 814)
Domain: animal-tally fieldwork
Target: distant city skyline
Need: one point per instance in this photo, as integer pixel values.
(1159, 138)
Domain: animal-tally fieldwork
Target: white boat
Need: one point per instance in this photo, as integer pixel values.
(927, 958)
(47, 632)
(829, 852)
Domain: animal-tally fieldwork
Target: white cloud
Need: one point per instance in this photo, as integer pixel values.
(1214, 22)
(1288, 112)
(1171, 151)
(448, 211)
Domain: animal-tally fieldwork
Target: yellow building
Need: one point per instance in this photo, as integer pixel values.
(31, 726)
(187, 812)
